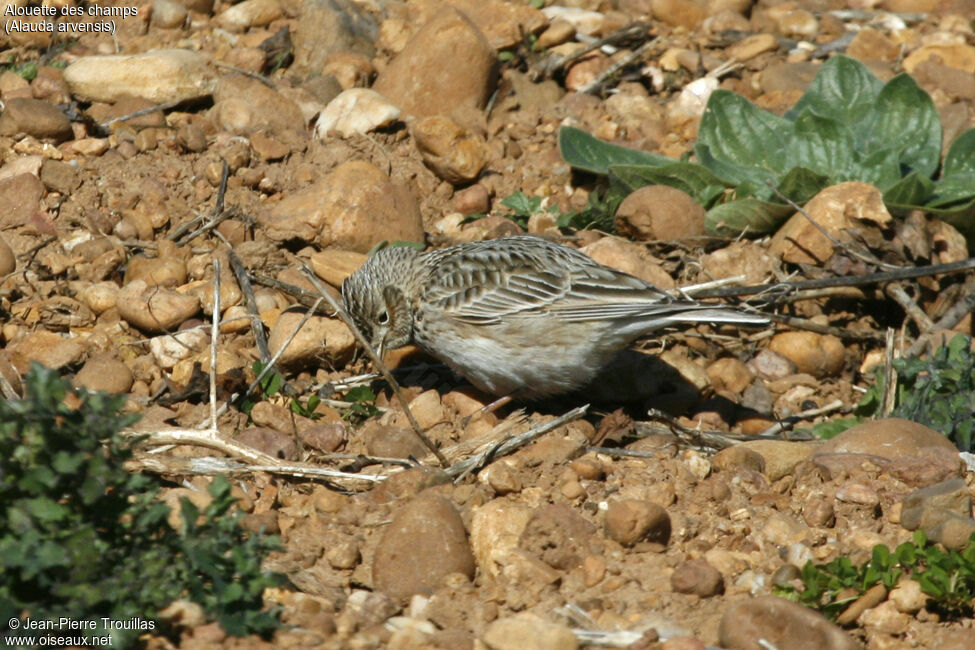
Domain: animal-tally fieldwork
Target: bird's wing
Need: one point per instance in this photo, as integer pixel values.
(488, 284)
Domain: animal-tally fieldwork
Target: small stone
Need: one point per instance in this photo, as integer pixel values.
(453, 153)
(558, 536)
(269, 441)
(249, 13)
(769, 364)
(659, 212)
(59, 176)
(325, 438)
(680, 13)
(155, 309)
(738, 457)
(953, 55)
(334, 265)
(317, 337)
(729, 374)
(356, 110)
(752, 46)
(781, 456)
(819, 512)
(105, 373)
(858, 493)
(622, 255)
(629, 521)
(268, 148)
(8, 260)
(815, 354)
(46, 348)
(472, 200)
(36, 118)
(780, 623)
(889, 438)
(953, 532)
(873, 597)
(528, 632)
(425, 542)
(697, 577)
(167, 14)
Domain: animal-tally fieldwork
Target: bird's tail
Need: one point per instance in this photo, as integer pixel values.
(701, 313)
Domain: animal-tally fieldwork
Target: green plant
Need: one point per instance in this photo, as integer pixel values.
(363, 404)
(82, 538)
(847, 126)
(947, 577)
(937, 391)
(25, 69)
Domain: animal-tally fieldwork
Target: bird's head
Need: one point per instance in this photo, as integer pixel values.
(375, 297)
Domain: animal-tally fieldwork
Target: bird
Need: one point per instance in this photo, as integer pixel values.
(520, 315)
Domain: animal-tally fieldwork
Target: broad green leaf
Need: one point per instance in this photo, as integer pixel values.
(740, 142)
(960, 158)
(843, 90)
(749, 215)
(588, 153)
(909, 192)
(694, 179)
(823, 145)
(903, 117)
(881, 168)
(801, 184)
(952, 190)
(46, 510)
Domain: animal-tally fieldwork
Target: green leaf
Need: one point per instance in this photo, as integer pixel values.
(823, 145)
(360, 394)
(746, 215)
(909, 192)
(521, 204)
(960, 159)
(903, 117)
(801, 184)
(843, 90)
(591, 154)
(740, 142)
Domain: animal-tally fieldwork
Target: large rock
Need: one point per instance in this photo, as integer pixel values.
(245, 106)
(891, 438)
(447, 66)
(20, 198)
(34, 117)
(425, 542)
(159, 76)
(354, 207)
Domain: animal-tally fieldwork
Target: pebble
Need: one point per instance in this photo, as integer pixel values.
(105, 373)
(496, 528)
(159, 76)
(155, 309)
(245, 106)
(356, 110)
(871, 598)
(837, 209)
(953, 55)
(452, 152)
(730, 375)
(472, 200)
(504, 24)
(891, 438)
(8, 260)
(819, 512)
(629, 521)
(907, 596)
(170, 349)
(269, 441)
(738, 456)
(425, 542)
(581, 20)
(325, 27)
(319, 337)
(752, 46)
(859, 494)
(780, 623)
(954, 532)
(528, 632)
(558, 536)
(334, 265)
(20, 198)
(447, 66)
(815, 354)
(781, 456)
(249, 13)
(36, 118)
(353, 208)
(167, 14)
(659, 212)
(697, 577)
(680, 13)
(769, 364)
(325, 438)
(46, 348)
(626, 256)
(59, 176)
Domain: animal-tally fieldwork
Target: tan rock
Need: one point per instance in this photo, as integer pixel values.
(659, 212)
(528, 632)
(680, 13)
(495, 529)
(159, 76)
(630, 258)
(167, 269)
(780, 456)
(46, 348)
(891, 438)
(752, 46)
(334, 265)
(454, 153)
(872, 45)
(447, 66)
(249, 13)
(318, 340)
(34, 117)
(20, 198)
(154, 309)
(245, 106)
(357, 110)
(953, 55)
(353, 208)
(836, 209)
(730, 374)
(816, 354)
(8, 260)
(105, 373)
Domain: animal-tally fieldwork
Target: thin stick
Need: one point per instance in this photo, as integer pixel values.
(510, 443)
(903, 273)
(626, 32)
(211, 465)
(304, 296)
(808, 325)
(890, 377)
(951, 318)
(601, 78)
(387, 375)
(896, 291)
(792, 420)
(250, 302)
(165, 106)
(214, 335)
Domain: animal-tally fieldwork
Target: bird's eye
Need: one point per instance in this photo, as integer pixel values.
(383, 318)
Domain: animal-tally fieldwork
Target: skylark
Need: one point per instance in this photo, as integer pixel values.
(518, 315)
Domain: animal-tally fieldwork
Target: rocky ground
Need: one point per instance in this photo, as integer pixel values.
(336, 125)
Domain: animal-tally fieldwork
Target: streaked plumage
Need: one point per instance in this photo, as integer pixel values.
(518, 314)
